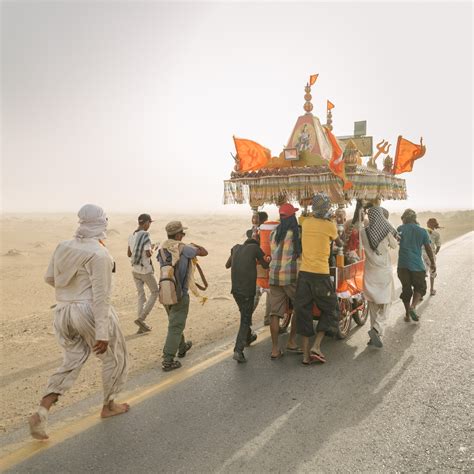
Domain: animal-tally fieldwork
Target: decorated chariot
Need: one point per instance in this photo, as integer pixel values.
(315, 160)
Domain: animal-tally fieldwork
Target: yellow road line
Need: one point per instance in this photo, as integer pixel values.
(27, 449)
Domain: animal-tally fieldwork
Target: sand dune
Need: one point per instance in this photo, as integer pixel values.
(29, 349)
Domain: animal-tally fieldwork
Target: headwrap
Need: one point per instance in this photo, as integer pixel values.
(289, 223)
(321, 206)
(378, 227)
(409, 217)
(92, 222)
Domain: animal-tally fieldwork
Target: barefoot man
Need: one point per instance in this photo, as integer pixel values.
(80, 270)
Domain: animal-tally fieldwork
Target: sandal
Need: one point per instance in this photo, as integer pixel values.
(315, 356)
(432, 292)
(187, 346)
(279, 356)
(170, 365)
(312, 360)
(406, 318)
(38, 429)
(294, 350)
(413, 315)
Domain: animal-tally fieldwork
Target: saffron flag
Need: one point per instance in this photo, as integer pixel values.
(330, 105)
(406, 153)
(312, 79)
(336, 164)
(251, 155)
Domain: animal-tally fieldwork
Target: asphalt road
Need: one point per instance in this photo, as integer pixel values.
(405, 408)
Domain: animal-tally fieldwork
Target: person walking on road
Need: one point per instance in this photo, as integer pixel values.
(180, 256)
(285, 247)
(140, 250)
(243, 263)
(85, 322)
(378, 238)
(411, 269)
(314, 285)
(435, 239)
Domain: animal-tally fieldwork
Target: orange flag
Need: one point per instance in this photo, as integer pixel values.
(330, 105)
(406, 153)
(336, 165)
(251, 155)
(312, 79)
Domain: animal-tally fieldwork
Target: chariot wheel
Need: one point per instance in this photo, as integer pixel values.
(360, 316)
(345, 318)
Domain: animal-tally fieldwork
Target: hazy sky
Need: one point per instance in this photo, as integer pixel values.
(133, 105)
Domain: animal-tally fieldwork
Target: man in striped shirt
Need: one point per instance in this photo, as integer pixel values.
(285, 250)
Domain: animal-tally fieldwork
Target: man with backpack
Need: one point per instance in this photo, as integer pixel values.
(175, 260)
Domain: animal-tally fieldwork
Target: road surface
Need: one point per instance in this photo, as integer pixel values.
(405, 408)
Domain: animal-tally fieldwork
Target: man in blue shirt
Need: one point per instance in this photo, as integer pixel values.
(411, 269)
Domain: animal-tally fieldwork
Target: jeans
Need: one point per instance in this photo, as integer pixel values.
(177, 314)
(144, 306)
(245, 304)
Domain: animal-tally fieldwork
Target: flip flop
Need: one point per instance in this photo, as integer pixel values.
(294, 350)
(317, 357)
(413, 315)
(279, 356)
(406, 318)
(433, 293)
(313, 358)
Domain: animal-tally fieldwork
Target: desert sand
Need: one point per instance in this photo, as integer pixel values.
(29, 348)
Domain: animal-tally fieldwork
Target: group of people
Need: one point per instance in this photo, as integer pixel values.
(299, 273)
(85, 322)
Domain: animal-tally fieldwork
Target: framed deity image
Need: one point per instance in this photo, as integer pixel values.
(291, 154)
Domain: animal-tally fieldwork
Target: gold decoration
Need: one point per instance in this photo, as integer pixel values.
(352, 155)
(382, 147)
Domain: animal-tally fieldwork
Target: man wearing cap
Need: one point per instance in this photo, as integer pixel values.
(180, 255)
(140, 250)
(411, 269)
(314, 284)
(435, 239)
(285, 247)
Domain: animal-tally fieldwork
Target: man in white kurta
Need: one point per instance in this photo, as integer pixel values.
(379, 287)
(80, 270)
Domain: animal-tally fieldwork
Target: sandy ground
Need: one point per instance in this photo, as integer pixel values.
(29, 350)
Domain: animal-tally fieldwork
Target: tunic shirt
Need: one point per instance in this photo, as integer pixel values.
(378, 276)
(81, 270)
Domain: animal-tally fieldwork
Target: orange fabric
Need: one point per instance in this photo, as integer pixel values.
(263, 282)
(336, 164)
(406, 153)
(312, 79)
(330, 105)
(251, 155)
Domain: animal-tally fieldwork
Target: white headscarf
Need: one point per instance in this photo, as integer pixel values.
(92, 222)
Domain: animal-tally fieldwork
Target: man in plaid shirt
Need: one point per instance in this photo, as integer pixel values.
(285, 249)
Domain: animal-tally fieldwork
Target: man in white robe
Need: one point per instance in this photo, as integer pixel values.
(80, 270)
(379, 288)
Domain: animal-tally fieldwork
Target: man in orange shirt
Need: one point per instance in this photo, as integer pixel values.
(314, 284)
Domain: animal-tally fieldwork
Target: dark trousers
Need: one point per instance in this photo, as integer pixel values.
(313, 288)
(412, 282)
(245, 304)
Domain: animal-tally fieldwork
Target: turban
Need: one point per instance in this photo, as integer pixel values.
(92, 222)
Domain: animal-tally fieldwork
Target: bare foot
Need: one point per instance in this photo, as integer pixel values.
(113, 409)
(37, 427)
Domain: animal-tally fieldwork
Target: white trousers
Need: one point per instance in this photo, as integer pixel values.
(74, 326)
(145, 306)
(378, 315)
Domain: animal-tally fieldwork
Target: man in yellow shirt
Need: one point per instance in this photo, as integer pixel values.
(314, 284)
